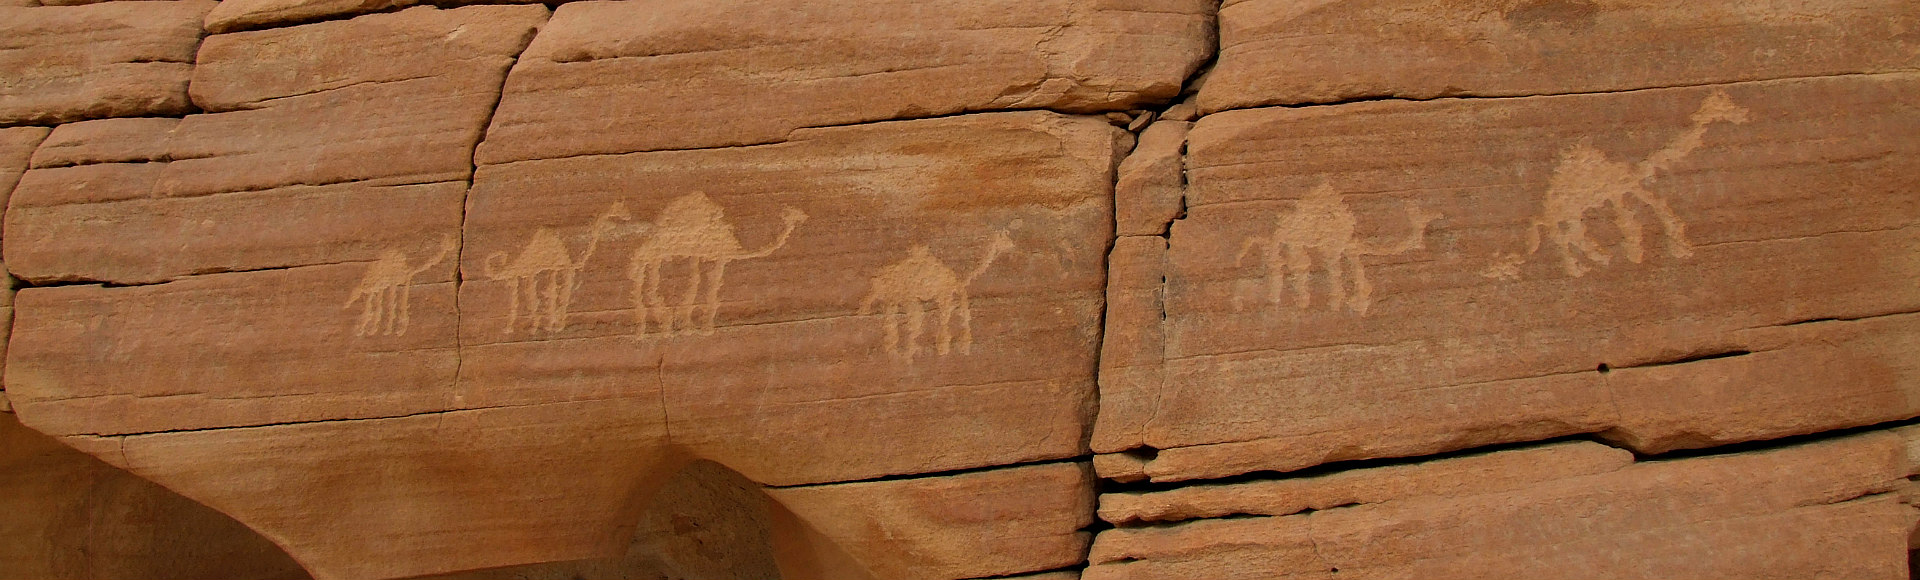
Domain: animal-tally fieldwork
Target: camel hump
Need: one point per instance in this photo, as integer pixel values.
(1720, 107)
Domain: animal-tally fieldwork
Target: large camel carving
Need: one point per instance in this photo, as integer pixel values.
(1586, 180)
(695, 229)
(544, 274)
(1322, 226)
(903, 287)
(384, 291)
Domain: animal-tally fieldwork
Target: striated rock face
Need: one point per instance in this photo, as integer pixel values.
(981, 289)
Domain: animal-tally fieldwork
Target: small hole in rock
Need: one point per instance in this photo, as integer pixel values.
(1604, 368)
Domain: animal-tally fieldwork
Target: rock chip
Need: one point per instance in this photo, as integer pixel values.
(989, 523)
(114, 59)
(619, 77)
(1817, 509)
(1275, 52)
(1152, 180)
(1392, 278)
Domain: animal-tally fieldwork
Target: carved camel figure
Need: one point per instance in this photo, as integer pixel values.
(384, 291)
(1585, 180)
(545, 273)
(902, 287)
(695, 229)
(1321, 225)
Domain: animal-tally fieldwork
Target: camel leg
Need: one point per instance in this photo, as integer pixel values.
(1298, 264)
(916, 322)
(513, 306)
(715, 277)
(965, 312)
(891, 314)
(1336, 280)
(1362, 288)
(1632, 239)
(942, 324)
(692, 296)
(1676, 230)
(563, 299)
(1276, 263)
(657, 302)
(1577, 235)
(404, 308)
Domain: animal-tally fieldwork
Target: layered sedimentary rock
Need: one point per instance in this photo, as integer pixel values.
(1275, 52)
(113, 59)
(1823, 509)
(618, 77)
(1416, 277)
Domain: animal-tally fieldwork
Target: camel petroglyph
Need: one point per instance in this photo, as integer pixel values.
(695, 229)
(901, 290)
(1585, 180)
(384, 292)
(1322, 227)
(545, 273)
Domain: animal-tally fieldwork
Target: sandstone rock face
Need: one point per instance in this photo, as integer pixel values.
(1824, 509)
(826, 289)
(113, 59)
(1465, 294)
(1276, 52)
(68, 516)
(619, 77)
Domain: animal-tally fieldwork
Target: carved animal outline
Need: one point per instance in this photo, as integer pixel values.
(692, 228)
(385, 291)
(1585, 179)
(1322, 226)
(901, 288)
(545, 273)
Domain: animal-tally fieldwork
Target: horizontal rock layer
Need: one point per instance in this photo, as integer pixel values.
(113, 59)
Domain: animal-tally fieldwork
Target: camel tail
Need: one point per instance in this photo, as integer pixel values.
(1252, 246)
(866, 304)
(1533, 236)
(357, 295)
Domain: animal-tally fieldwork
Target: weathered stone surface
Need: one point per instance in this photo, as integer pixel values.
(226, 350)
(1455, 477)
(1286, 52)
(1813, 510)
(1147, 196)
(238, 15)
(128, 140)
(827, 267)
(116, 59)
(1392, 278)
(68, 516)
(346, 141)
(16, 148)
(990, 523)
(619, 77)
(539, 483)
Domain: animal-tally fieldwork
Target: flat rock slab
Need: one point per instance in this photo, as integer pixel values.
(989, 523)
(1396, 278)
(1818, 509)
(941, 279)
(1276, 52)
(346, 141)
(115, 59)
(619, 77)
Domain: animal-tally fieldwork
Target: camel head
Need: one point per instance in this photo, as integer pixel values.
(1719, 107)
(792, 216)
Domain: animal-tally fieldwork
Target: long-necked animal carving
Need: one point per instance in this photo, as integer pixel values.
(901, 290)
(1585, 180)
(545, 273)
(695, 229)
(384, 292)
(1322, 227)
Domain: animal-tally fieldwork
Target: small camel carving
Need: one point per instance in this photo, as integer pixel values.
(1321, 225)
(384, 291)
(695, 229)
(1586, 180)
(902, 287)
(545, 273)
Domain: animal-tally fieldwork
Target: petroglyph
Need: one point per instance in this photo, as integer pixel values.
(902, 289)
(1322, 227)
(1586, 180)
(384, 292)
(545, 274)
(695, 229)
